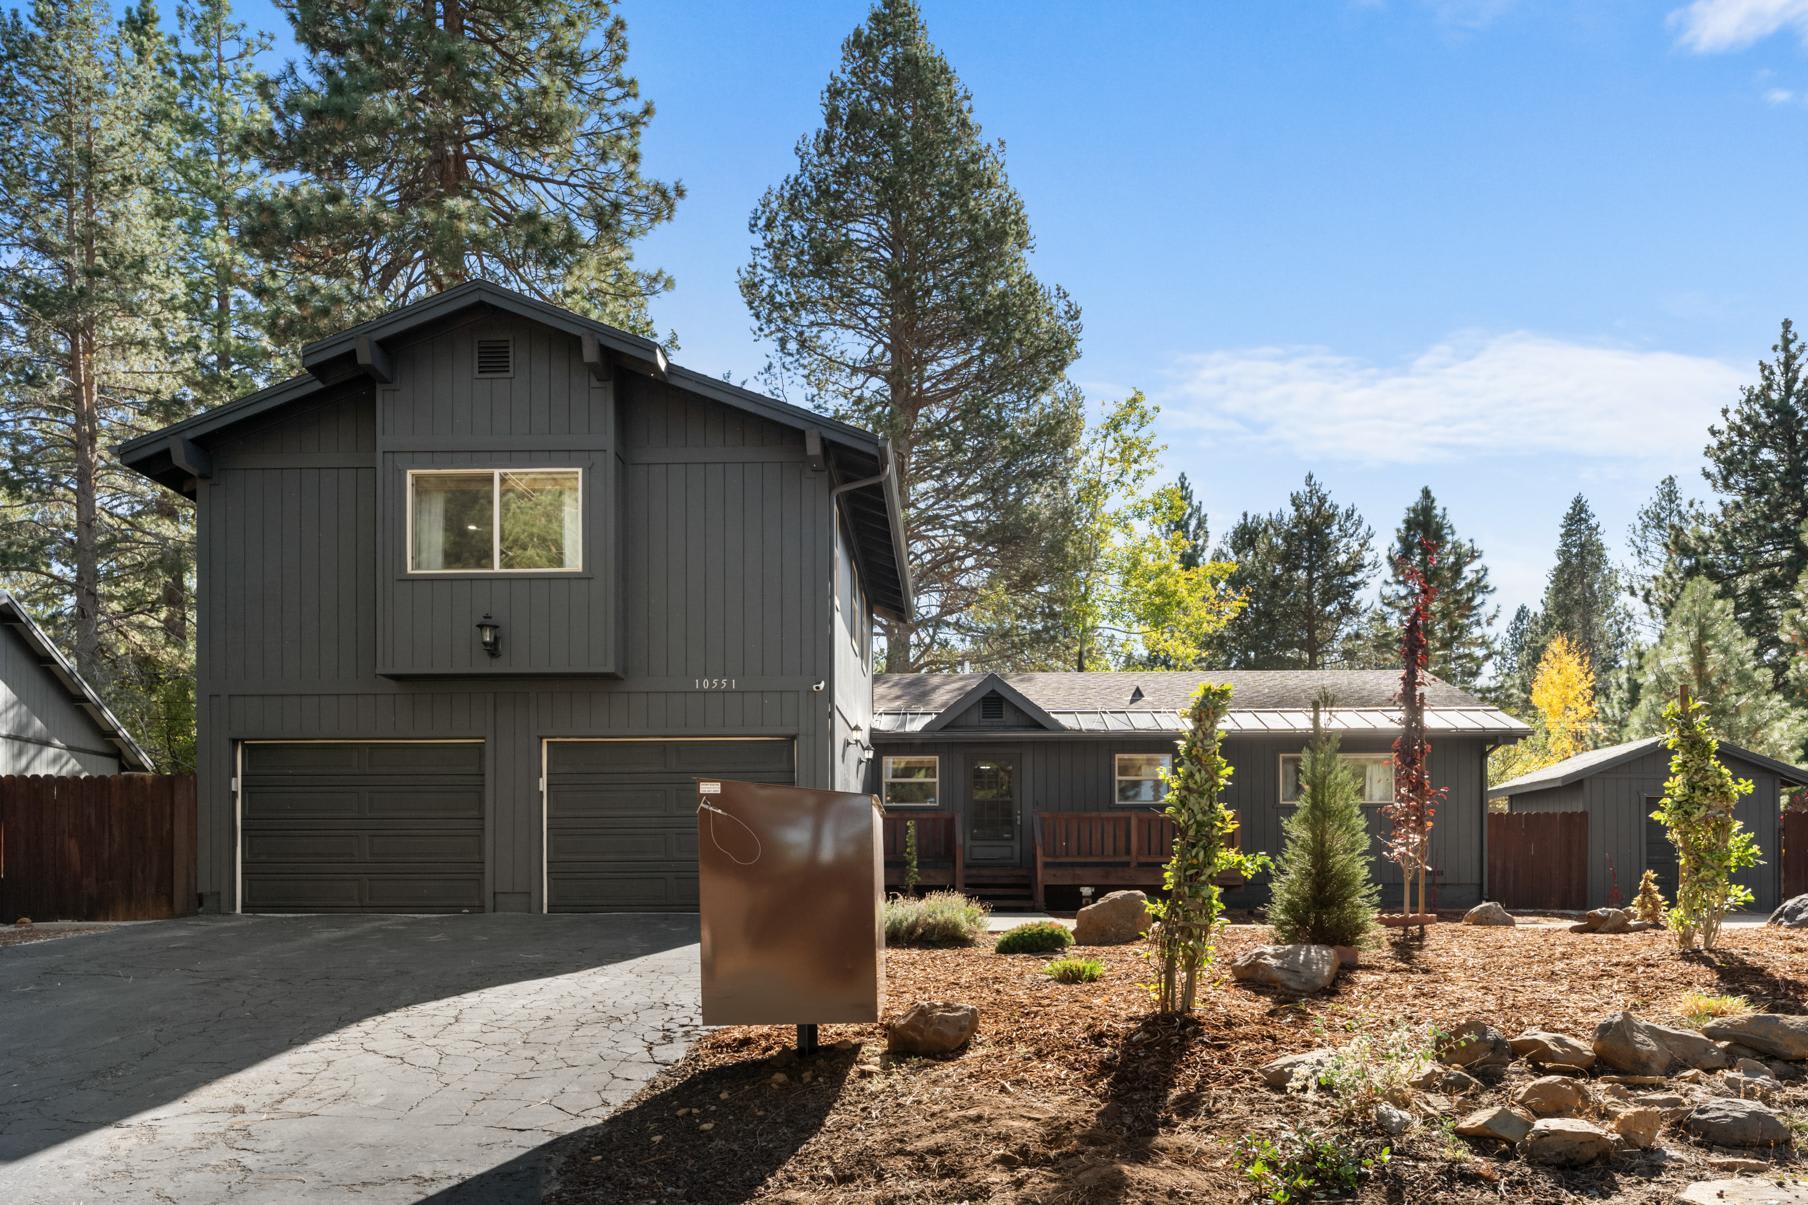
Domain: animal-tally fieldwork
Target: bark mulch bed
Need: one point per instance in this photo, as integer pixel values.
(1076, 1094)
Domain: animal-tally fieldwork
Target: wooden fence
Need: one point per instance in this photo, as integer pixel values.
(1538, 860)
(1795, 854)
(109, 848)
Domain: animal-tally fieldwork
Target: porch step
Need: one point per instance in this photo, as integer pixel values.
(1006, 886)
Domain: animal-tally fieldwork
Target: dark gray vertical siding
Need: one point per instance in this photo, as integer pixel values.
(42, 731)
(851, 715)
(726, 562)
(1078, 775)
(1620, 799)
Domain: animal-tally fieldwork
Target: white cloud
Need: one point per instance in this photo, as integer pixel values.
(1778, 96)
(1501, 395)
(1713, 26)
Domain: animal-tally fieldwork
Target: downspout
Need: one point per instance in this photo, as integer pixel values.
(883, 475)
(835, 493)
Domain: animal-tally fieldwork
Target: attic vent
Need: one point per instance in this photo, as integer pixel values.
(495, 357)
(991, 708)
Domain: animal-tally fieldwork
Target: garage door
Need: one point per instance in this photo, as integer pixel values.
(621, 817)
(377, 827)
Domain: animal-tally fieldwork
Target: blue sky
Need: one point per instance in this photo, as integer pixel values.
(1507, 248)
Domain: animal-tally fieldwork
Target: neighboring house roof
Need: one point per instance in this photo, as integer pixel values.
(1582, 765)
(14, 616)
(172, 456)
(1106, 704)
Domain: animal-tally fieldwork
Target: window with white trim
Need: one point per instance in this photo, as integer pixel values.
(1374, 773)
(1139, 777)
(495, 520)
(913, 781)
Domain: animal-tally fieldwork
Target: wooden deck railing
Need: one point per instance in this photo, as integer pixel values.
(1126, 848)
(939, 860)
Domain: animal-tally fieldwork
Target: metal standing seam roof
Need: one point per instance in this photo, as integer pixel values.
(1277, 701)
(131, 755)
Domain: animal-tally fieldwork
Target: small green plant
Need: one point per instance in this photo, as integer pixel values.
(1036, 937)
(1323, 893)
(1302, 1165)
(1372, 1069)
(1698, 810)
(1701, 1007)
(1075, 970)
(911, 875)
(1648, 905)
(941, 918)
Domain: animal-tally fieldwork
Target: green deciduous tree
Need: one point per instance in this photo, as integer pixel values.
(1323, 892)
(1128, 594)
(1758, 464)
(1303, 570)
(1704, 649)
(891, 274)
(1458, 644)
(1186, 922)
(426, 145)
(1697, 809)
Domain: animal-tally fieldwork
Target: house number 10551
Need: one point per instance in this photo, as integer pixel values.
(715, 683)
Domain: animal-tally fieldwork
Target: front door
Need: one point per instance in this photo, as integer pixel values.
(992, 810)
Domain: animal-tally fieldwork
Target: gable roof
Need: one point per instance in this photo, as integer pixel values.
(176, 456)
(990, 684)
(1107, 704)
(15, 617)
(1582, 765)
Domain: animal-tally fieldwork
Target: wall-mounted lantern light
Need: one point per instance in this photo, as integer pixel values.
(489, 634)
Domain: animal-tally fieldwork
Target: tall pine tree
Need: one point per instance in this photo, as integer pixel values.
(1758, 464)
(1458, 645)
(1662, 533)
(427, 145)
(890, 272)
(1303, 570)
(1704, 648)
(1582, 596)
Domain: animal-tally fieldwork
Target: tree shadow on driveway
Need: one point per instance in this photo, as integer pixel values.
(119, 1024)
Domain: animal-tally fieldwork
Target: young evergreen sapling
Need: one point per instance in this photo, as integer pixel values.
(1323, 893)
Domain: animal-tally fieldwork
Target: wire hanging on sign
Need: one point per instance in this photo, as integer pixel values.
(714, 811)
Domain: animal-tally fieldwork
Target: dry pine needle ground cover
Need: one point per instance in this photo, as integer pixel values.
(1074, 1093)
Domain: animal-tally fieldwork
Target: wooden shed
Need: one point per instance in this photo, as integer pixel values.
(1618, 788)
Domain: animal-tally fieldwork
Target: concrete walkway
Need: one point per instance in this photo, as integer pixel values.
(296, 1059)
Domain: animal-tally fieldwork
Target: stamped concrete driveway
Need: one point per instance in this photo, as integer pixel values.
(316, 1058)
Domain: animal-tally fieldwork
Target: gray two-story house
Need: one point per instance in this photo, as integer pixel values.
(483, 591)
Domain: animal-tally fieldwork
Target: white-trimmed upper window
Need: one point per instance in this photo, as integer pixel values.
(1374, 771)
(912, 781)
(495, 520)
(1139, 777)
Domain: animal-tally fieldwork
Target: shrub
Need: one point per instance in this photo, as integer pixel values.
(912, 875)
(1323, 894)
(1702, 1007)
(1302, 1165)
(1370, 1070)
(1037, 937)
(1075, 970)
(1697, 809)
(941, 918)
(1648, 905)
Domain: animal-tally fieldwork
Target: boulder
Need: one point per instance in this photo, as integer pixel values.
(1393, 1121)
(1542, 1046)
(1639, 1126)
(1115, 919)
(1726, 1121)
(1296, 970)
(1297, 1070)
(1498, 1123)
(1763, 1086)
(1447, 1080)
(1690, 1047)
(1603, 920)
(1490, 913)
(1772, 1190)
(1565, 1142)
(1551, 1096)
(1768, 1033)
(932, 1027)
(1792, 914)
(1626, 1044)
(1477, 1047)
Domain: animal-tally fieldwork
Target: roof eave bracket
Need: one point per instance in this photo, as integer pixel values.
(373, 360)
